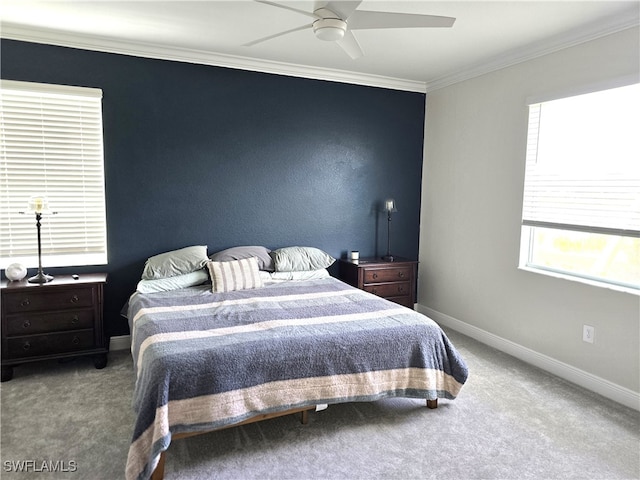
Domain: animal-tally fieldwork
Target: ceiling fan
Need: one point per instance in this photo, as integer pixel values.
(335, 20)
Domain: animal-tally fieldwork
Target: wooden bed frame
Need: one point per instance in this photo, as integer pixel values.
(158, 473)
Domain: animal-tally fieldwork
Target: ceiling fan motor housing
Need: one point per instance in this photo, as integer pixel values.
(329, 29)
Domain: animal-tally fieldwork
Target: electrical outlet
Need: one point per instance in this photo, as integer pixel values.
(588, 333)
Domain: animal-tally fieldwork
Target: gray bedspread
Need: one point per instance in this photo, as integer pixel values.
(205, 360)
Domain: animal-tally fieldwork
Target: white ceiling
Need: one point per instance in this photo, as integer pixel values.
(485, 36)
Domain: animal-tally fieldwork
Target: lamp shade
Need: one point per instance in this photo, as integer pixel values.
(38, 204)
(390, 205)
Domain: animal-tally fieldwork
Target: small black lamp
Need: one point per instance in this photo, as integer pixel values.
(389, 206)
(39, 205)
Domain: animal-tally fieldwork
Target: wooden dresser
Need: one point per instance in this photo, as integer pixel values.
(62, 318)
(395, 281)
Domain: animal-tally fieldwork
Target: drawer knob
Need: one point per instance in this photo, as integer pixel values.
(401, 274)
(75, 299)
(400, 289)
(75, 340)
(375, 275)
(75, 320)
(25, 302)
(26, 324)
(374, 291)
(26, 346)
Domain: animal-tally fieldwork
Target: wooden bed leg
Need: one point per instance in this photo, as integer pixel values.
(432, 403)
(305, 417)
(158, 473)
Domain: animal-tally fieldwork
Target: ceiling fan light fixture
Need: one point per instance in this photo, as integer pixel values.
(329, 29)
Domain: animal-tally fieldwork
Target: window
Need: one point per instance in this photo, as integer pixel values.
(581, 208)
(51, 146)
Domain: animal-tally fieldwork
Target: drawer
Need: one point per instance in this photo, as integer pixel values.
(29, 324)
(374, 275)
(49, 299)
(406, 301)
(52, 343)
(396, 289)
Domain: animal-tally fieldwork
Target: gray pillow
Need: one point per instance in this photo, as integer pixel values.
(175, 262)
(265, 262)
(300, 259)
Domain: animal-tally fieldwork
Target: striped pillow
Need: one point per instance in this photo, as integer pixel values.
(234, 275)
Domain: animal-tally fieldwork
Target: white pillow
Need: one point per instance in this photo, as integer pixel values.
(234, 275)
(173, 283)
(294, 276)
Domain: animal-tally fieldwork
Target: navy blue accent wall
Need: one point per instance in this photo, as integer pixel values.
(202, 155)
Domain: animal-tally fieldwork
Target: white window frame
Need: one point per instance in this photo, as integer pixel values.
(532, 218)
(51, 145)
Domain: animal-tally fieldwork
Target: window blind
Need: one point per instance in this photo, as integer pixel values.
(583, 168)
(51, 145)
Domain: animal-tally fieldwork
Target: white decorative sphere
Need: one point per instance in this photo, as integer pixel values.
(16, 272)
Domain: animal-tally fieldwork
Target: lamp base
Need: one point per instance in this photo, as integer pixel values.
(388, 258)
(40, 277)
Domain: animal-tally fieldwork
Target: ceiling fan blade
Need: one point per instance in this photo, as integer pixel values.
(344, 8)
(264, 39)
(350, 44)
(274, 4)
(361, 20)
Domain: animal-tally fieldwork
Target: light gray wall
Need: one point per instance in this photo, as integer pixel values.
(475, 134)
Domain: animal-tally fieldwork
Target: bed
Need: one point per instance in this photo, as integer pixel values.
(207, 360)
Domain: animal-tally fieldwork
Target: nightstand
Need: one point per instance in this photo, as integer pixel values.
(59, 319)
(395, 281)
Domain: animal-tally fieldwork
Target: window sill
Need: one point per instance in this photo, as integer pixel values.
(573, 278)
(51, 261)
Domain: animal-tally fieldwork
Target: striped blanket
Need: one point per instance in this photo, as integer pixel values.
(205, 360)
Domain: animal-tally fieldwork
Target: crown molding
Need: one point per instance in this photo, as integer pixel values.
(139, 49)
(551, 45)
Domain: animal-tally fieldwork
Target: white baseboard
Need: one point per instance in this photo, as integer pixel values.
(122, 342)
(587, 380)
